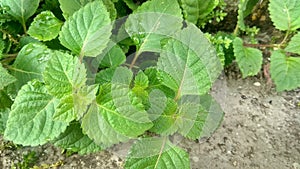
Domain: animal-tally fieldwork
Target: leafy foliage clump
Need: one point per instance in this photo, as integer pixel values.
(85, 78)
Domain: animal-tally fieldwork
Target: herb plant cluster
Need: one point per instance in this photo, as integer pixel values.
(85, 75)
(89, 78)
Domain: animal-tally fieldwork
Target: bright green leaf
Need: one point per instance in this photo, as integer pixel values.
(162, 81)
(194, 10)
(191, 61)
(285, 71)
(112, 57)
(68, 7)
(30, 121)
(105, 75)
(294, 44)
(141, 80)
(5, 78)
(122, 110)
(110, 6)
(87, 32)
(74, 140)
(45, 26)
(65, 78)
(63, 74)
(163, 114)
(73, 106)
(21, 9)
(156, 153)
(152, 22)
(285, 14)
(248, 59)
(30, 63)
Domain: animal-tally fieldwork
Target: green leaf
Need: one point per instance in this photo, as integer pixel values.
(112, 57)
(208, 119)
(110, 6)
(31, 121)
(162, 81)
(250, 4)
(194, 10)
(3, 119)
(119, 112)
(45, 26)
(74, 140)
(5, 78)
(122, 110)
(141, 83)
(21, 9)
(285, 14)
(152, 22)
(191, 61)
(63, 74)
(156, 153)
(294, 44)
(70, 6)
(248, 59)
(30, 63)
(163, 113)
(65, 78)
(87, 32)
(285, 71)
(73, 106)
(98, 129)
(105, 75)
(131, 4)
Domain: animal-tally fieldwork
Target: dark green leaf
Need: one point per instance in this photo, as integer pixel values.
(248, 59)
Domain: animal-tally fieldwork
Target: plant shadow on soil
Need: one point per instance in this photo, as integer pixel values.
(261, 129)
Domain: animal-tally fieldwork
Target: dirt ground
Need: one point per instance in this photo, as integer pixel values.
(261, 130)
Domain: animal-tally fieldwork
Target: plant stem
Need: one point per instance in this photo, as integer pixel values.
(285, 37)
(136, 56)
(236, 29)
(161, 151)
(24, 27)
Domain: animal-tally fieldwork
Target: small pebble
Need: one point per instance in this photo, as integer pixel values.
(296, 166)
(257, 84)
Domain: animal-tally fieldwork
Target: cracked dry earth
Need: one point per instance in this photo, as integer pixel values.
(261, 130)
